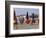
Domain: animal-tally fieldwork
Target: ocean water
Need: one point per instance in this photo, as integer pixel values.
(27, 26)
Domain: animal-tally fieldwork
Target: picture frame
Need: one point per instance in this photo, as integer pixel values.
(14, 5)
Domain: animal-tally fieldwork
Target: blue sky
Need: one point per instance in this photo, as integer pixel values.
(23, 11)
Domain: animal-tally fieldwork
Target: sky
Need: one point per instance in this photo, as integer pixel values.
(23, 11)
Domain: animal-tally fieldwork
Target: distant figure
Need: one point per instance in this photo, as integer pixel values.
(33, 21)
(21, 19)
(18, 20)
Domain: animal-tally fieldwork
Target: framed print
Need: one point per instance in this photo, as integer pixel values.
(24, 18)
